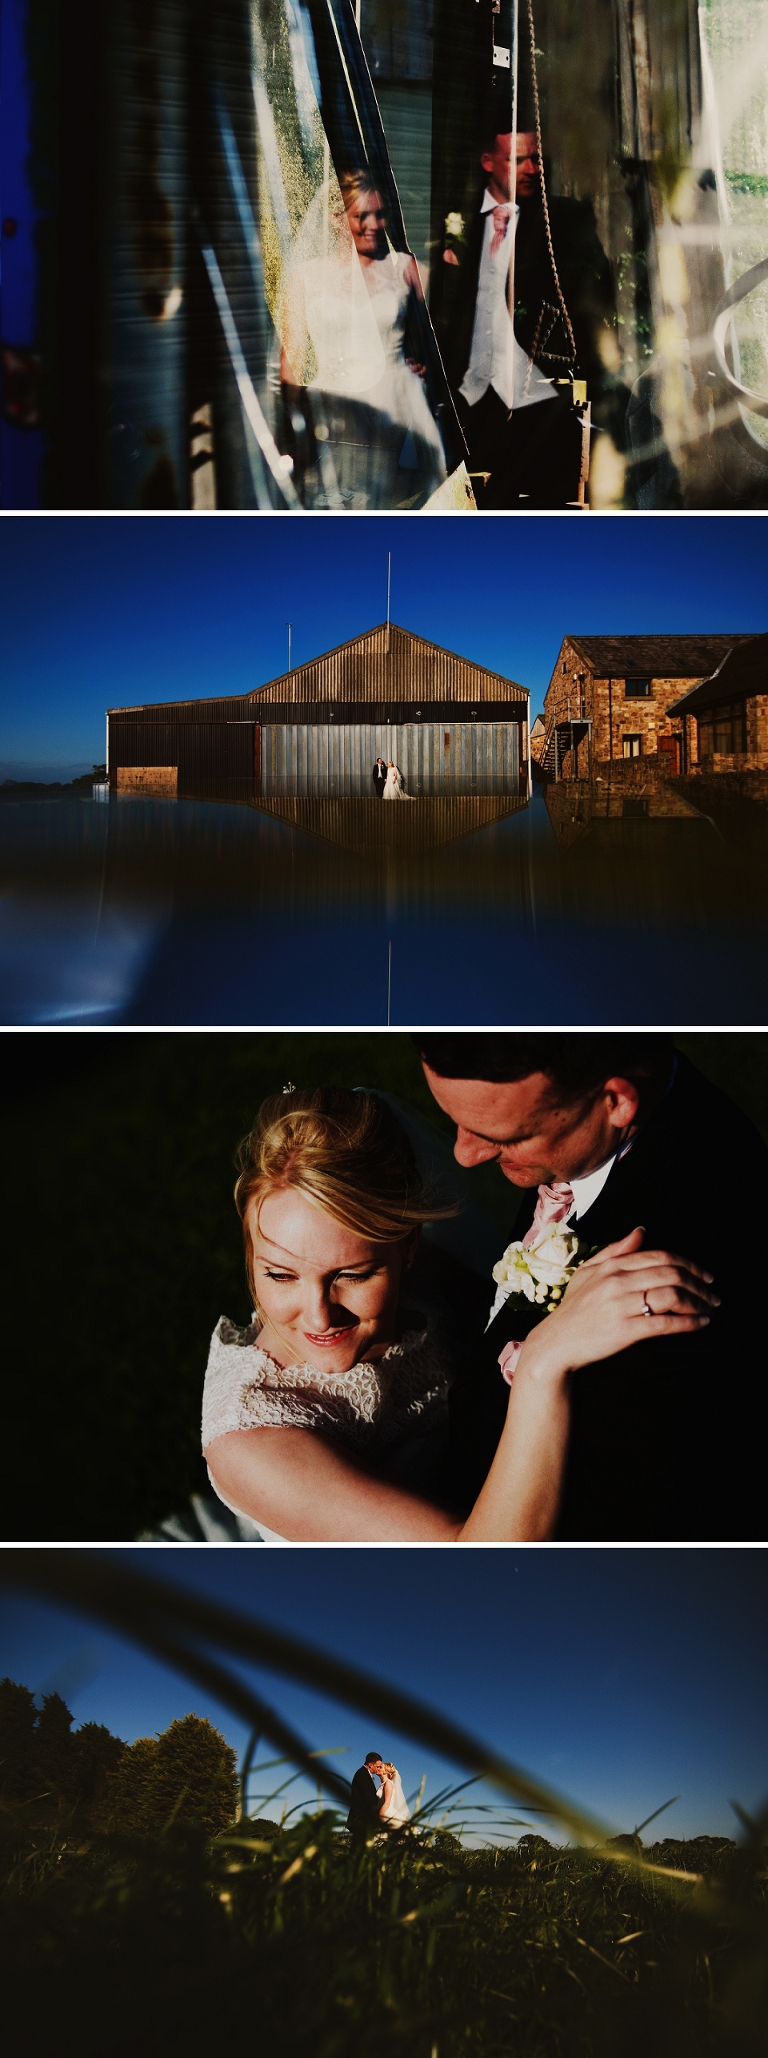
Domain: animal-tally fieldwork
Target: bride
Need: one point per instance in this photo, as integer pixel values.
(325, 1419)
(395, 1810)
(393, 784)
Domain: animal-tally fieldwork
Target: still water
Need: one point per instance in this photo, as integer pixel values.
(586, 905)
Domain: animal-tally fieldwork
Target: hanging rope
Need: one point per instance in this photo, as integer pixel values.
(544, 201)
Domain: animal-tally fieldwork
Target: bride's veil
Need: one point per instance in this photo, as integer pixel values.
(322, 267)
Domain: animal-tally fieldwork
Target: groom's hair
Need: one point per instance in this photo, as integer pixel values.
(373, 1758)
(575, 1064)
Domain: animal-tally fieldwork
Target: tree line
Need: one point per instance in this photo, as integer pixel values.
(47, 1768)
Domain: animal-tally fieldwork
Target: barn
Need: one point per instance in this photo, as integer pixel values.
(452, 726)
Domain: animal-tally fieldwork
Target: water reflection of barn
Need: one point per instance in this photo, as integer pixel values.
(454, 728)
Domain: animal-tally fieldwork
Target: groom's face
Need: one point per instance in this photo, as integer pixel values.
(534, 1132)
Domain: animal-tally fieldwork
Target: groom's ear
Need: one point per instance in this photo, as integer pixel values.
(623, 1102)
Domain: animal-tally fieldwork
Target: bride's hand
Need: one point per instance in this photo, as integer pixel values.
(605, 1308)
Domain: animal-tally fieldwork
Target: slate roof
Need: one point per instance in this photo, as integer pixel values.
(654, 657)
(743, 671)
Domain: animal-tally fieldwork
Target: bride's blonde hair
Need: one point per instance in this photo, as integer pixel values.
(391, 1770)
(346, 1152)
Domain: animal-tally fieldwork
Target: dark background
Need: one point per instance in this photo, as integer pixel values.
(123, 1247)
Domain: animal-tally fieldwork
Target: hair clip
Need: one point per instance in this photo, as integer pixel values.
(290, 1088)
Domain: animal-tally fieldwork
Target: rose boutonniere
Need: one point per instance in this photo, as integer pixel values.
(541, 1271)
(537, 1272)
(455, 235)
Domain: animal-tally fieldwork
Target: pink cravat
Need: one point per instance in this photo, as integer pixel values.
(501, 216)
(553, 1204)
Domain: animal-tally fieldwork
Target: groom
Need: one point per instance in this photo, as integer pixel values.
(366, 1802)
(609, 1132)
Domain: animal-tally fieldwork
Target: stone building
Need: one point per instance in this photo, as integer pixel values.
(613, 699)
(730, 711)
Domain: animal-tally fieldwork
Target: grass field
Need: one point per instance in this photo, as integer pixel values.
(123, 1245)
(301, 1946)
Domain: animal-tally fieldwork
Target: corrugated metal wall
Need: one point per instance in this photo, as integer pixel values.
(429, 754)
(210, 755)
(410, 669)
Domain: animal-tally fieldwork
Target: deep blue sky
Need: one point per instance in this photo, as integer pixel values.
(620, 1677)
(106, 610)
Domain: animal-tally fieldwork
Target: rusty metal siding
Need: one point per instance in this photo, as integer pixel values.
(433, 756)
(358, 675)
(411, 670)
(211, 756)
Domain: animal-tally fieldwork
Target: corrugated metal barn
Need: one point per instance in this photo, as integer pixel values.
(451, 726)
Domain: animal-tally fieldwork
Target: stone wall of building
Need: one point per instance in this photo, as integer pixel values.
(754, 759)
(575, 694)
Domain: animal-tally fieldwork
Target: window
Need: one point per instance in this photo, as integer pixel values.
(637, 689)
(632, 746)
(723, 730)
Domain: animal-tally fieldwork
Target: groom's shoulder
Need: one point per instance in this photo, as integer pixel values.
(713, 1118)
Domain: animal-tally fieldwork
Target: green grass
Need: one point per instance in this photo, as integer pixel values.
(292, 1942)
(301, 1946)
(123, 1246)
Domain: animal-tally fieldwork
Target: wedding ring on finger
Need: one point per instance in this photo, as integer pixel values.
(645, 1310)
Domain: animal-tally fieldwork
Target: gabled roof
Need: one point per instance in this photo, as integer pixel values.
(390, 663)
(383, 664)
(744, 670)
(653, 657)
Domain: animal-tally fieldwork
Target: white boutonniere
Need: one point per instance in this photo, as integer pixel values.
(454, 225)
(540, 1271)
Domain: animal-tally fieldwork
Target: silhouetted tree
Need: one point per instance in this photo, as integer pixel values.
(196, 1775)
(54, 1755)
(18, 1717)
(97, 1754)
(41, 1759)
(127, 1803)
(187, 1774)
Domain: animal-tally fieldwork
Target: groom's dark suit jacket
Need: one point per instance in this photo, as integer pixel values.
(363, 1817)
(667, 1439)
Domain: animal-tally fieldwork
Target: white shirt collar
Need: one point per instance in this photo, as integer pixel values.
(586, 1189)
(488, 202)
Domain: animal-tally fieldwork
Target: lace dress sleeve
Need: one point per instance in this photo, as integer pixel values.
(245, 1389)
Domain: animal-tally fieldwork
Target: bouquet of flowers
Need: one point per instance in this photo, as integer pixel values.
(541, 1271)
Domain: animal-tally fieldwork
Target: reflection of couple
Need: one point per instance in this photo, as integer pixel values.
(388, 781)
(363, 429)
(377, 1800)
(618, 1402)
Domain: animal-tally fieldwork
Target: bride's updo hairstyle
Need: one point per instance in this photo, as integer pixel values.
(346, 1152)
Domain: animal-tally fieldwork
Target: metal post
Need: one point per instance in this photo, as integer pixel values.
(289, 626)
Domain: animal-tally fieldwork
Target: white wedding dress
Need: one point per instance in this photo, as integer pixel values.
(397, 1812)
(393, 788)
(392, 1412)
